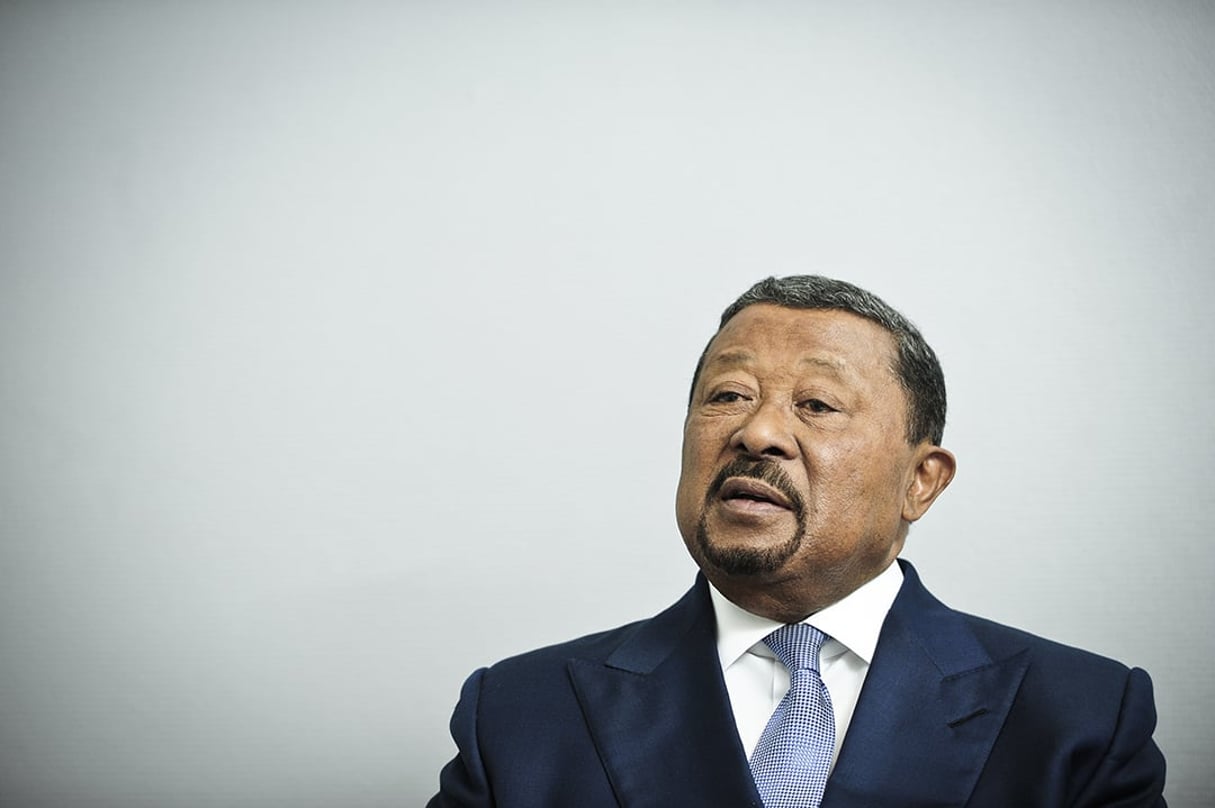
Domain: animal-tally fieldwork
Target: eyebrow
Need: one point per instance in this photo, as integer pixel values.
(837, 365)
(731, 358)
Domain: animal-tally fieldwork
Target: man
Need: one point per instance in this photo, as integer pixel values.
(807, 666)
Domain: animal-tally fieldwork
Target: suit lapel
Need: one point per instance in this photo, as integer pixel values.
(931, 707)
(660, 715)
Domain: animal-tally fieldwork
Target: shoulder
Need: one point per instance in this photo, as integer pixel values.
(960, 637)
(1078, 718)
(525, 709)
(1065, 684)
(1061, 683)
(540, 663)
(1002, 640)
(1082, 723)
(639, 646)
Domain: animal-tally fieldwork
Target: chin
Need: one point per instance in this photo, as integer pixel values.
(743, 559)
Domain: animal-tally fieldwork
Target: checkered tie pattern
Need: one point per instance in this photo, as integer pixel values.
(793, 757)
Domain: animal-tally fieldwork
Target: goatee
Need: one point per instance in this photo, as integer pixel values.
(751, 560)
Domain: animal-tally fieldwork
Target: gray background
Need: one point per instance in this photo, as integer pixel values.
(344, 347)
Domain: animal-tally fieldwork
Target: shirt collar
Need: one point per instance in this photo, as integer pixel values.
(853, 622)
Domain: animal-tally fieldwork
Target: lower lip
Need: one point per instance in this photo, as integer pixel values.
(753, 507)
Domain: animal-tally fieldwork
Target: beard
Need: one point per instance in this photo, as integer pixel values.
(751, 560)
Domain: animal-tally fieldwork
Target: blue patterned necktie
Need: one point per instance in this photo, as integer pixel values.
(793, 757)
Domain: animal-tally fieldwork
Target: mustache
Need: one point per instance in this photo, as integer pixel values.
(767, 471)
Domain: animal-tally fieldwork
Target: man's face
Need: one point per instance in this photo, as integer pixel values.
(796, 467)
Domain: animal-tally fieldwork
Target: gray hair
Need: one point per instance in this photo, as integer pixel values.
(916, 365)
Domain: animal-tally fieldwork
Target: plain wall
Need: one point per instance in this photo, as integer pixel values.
(344, 347)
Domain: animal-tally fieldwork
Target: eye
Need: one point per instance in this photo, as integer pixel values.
(726, 397)
(817, 406)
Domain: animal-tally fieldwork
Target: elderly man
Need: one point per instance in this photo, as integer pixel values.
(807, 666)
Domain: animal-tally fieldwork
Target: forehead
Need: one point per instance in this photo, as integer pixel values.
(822, 339)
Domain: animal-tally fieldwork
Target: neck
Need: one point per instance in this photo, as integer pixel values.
(780, 603)
(789, 599)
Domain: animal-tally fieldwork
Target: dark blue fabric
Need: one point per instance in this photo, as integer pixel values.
(955, 711)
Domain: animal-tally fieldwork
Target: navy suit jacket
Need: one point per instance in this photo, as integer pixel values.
(955, 711)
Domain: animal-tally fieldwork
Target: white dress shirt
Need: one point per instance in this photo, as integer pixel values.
(757, 681)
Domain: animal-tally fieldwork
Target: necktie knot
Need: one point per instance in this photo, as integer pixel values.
(797, 646)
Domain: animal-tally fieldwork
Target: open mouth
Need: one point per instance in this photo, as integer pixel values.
(744, 490)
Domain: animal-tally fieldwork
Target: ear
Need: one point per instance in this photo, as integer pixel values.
(933, 471)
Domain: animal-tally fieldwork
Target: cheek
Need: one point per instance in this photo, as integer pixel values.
(834, 471)
(698, 465)
(702, 445)
(695, 461)
(861, 493)
(689, 498)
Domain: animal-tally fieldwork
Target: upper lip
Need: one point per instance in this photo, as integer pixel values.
(753, 489)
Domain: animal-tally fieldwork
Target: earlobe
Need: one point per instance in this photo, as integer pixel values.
(932, 474)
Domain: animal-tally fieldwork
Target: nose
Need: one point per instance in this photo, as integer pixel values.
(766, 432)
